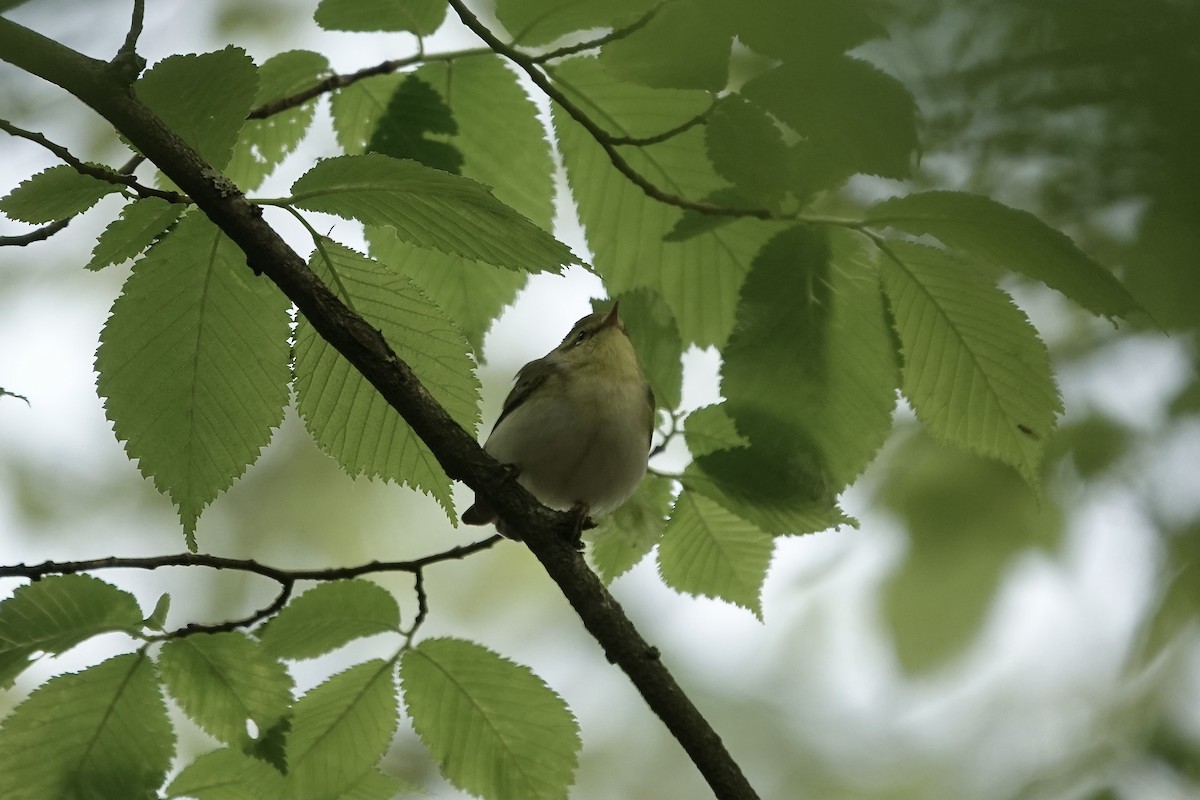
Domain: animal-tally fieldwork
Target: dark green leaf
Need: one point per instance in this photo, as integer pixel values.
(415, 110)
(55, 614)
(494, 727)
(746, 147)
(53, 194)
(629, 533)
(985, 232)
(429, 208)
(535, 22)
(193, 365)
(140, 224)
(203, 98)
(710, 428)
(683, 46)
(358, 108)
(103, 732)
(786, 29)
(328, 616)
(421, 17)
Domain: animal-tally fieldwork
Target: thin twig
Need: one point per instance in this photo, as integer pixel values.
(583, 47)
(646, 141)
(39, 235)
(95, 171)
(129, 46)
(602, 137)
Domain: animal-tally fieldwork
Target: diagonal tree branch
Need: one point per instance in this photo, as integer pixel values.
(548, 534)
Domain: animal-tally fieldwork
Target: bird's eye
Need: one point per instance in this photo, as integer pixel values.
(582, 336)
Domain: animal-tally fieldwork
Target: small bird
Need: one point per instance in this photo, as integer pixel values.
(576, 426)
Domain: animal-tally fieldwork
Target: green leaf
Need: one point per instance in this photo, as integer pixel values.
(193, 365)
(340, 730)
(328, 616)
(415, 110)
(493, 726)
(746, 148)
(985, 232)
(975, 370)
(698, 277)
(785, 30)
(624, 537)
(222, 680)
(264, 143)
(429, 208)
(203, 99)
(53, 194)
(103, 732)
(55, 614)
(140, 224)
(811, 370)
(158, 617)
(358, 108)
(421, 17)
(226, 774)
(683, 46)
(471, 293)
(852, 117)
(535, 22)
(502, 141)
(349, 419)
(706, 550)
(655, 337)
(710, 428)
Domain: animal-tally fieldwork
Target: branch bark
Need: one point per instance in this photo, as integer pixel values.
(107, 89)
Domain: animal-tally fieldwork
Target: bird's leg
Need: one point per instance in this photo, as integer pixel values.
(582, 523)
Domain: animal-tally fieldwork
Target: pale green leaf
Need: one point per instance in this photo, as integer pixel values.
(502, 141)
(975, 370)
(811, 370)
(707, 550)
(698, 277)
(103, 732)
(358, 108)
(624, 537)
(340, 730)
(985, 232)
(193, 365)
(158, 617)
(375, 785)
(328, 616)
(264, 143)
(535, 22)
(203, 98)
(140, 224)
(493, 726)
(223, 680)
(227, 774)
(55, 614)
(471, 293)
(655, 337)
(429, 208)
(851, 117)
(685, 45)
(421, 17)
(53, 194)
(349, 419)
(710, 428)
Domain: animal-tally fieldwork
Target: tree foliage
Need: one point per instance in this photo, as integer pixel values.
(716, 157)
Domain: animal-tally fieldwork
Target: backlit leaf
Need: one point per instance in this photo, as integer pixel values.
(328, 616)
(53, 194)
(624, 537)
(421, 17)
(141, 222)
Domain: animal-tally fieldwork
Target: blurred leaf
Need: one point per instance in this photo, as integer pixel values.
(985, 232)
(683, 46)
(264, 143)
(415, 110)
(537, 22)
(345, 414)
(710, 428)
(103, 732)
(340, 731)
(698, 277)
(429, 208)
(975, 370)
(53, 194)
(328, 616)
(56, 613)
(707, 550)
(623, 538)
(655, 337)
(421, 17)
(1093, 444)
(226, 774)
(785, 29)
(203, 99)
(221, 680)
(193, 365)
(140, 224)
(494, 727)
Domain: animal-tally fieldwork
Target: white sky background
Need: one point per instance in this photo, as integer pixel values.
(1035, 684)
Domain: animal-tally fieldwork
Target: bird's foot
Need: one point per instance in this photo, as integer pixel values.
(582, 523)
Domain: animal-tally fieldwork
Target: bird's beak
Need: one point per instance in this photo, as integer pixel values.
(613, 319)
